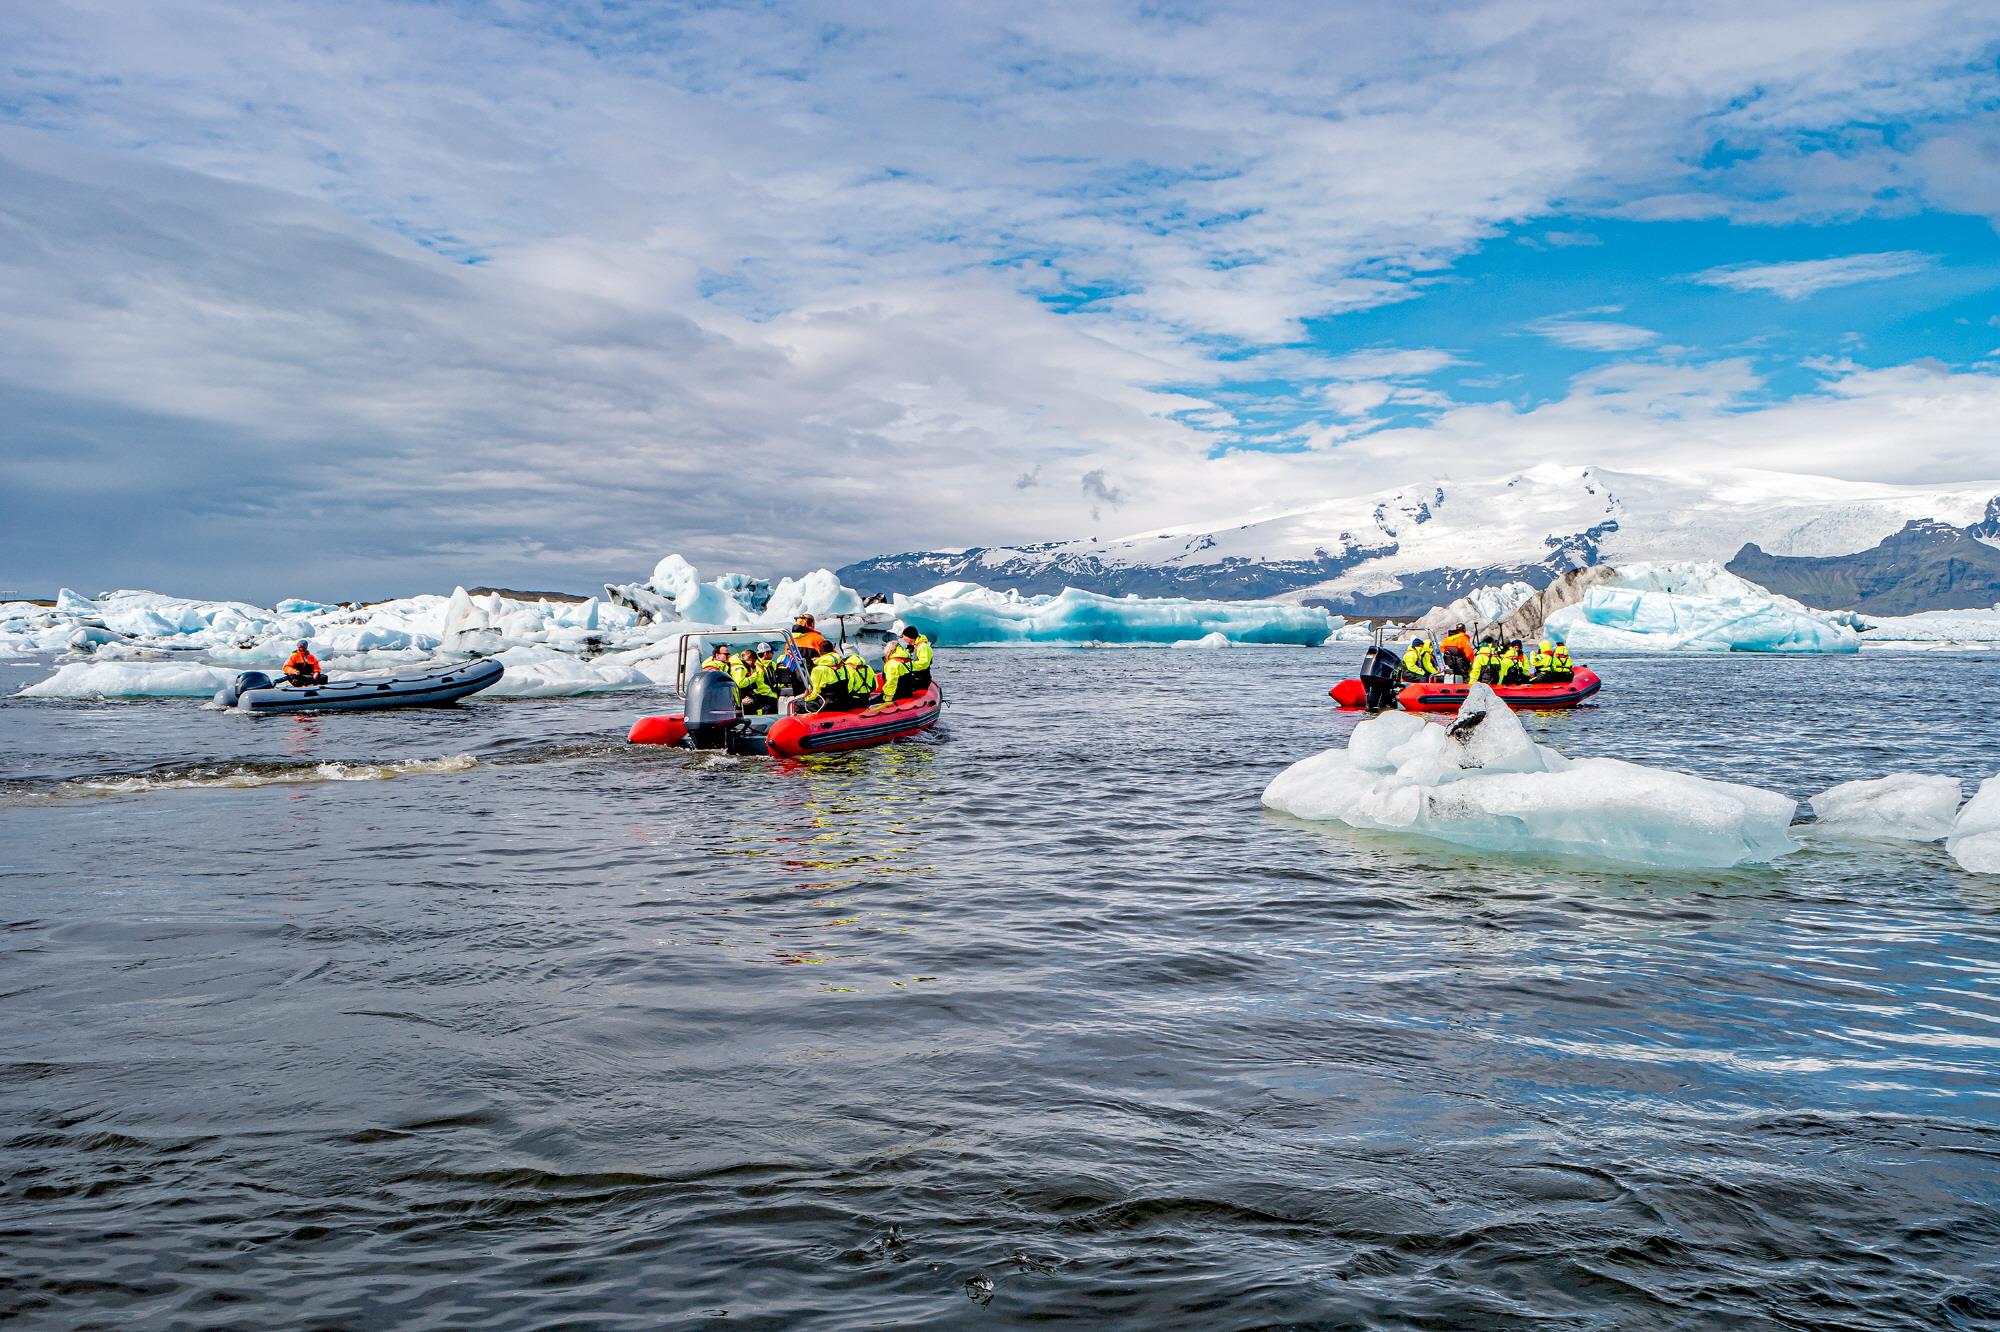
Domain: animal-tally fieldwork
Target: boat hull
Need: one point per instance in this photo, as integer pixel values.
(1448, 697)
(808, 732)
(426, 690)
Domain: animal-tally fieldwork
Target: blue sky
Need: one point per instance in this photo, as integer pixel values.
(533, 293)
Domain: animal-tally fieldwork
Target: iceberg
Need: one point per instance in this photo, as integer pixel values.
(1931, 629)
(1693, 607)
(964, 613)
(131, 679)
(1483, 782)
(820, 594)
(1904, 806)
(1975, 834)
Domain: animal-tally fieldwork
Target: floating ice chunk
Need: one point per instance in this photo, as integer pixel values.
(1218, 639)
(1904, 806)
(131, 679)
(961, 613)
(1975, 835)
(541, 672)
(71, 603)
(1693, 607)
(1484, 783)
(819, 593)
(701, 603)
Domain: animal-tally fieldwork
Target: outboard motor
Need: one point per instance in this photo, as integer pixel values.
(1380, 674)
(242, 684)
(710, 710)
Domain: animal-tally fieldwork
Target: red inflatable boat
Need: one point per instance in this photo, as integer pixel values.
(795, 736)
(1447, 697)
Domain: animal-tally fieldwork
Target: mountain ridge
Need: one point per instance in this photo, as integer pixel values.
(1400, 552)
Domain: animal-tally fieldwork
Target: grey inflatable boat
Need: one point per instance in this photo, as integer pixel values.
(254, 691)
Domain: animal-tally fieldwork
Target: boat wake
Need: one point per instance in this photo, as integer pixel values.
(241, 776)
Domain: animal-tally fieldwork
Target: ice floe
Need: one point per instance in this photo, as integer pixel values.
(1483, 782)
(1694, 607)
(1974, 841)
(1903, 806)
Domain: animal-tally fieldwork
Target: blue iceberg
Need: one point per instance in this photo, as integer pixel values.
(965, 613)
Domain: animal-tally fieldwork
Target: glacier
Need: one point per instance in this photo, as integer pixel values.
(1974, 841)
(1483, 782)
(1903, 806)
(1693, 606)
(966, 613)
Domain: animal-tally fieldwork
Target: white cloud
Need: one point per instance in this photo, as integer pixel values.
(1599, 335)
(740, 264)
(1802, 278)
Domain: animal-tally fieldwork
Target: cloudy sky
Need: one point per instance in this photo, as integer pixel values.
(367, 298)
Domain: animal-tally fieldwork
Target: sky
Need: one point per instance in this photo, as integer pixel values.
(362, 299)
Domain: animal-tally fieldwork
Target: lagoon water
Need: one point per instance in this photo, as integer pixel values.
(478, 1017)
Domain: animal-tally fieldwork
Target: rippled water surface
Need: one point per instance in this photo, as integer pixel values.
(478, 1018)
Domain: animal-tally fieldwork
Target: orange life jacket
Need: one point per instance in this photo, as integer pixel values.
(301, 662)
(811, 642)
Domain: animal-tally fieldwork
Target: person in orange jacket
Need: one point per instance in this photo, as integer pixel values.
(811, 642)
(1455, 653)
(302, 667)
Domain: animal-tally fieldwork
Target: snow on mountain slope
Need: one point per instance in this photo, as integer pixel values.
(1396, 543)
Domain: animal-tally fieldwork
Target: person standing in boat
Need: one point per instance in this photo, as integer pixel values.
(921, 656)
(1456, 651)
(302, 667)
(811, 642)
(1419, 663)
(1561, 669)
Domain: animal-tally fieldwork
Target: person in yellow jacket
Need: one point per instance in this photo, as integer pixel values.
(1542, 663)
(921, 655)
(1486, 663)
(1419, 662)
(826, 690)
(896, 672)
(859, 677)
(1512, 670)
(1561, 668)
(756, 683)
(718, 660)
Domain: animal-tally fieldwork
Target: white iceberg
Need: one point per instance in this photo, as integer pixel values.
(1483, 782)
(1931, 629)
(1975, 835)
(1693, 607)
(819, 594)
(1207, 642)
(1904, 806)
(964, 613)
(131, 679)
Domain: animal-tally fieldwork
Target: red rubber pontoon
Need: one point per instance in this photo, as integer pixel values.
(802, 733)
(830, 732)
(1447, 697)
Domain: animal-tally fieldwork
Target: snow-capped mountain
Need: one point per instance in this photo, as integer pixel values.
(1400, 552)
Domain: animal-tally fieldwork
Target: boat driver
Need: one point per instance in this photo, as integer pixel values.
(302, 667)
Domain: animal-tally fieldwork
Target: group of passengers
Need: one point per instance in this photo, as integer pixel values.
(1495, 661)
(825, 678)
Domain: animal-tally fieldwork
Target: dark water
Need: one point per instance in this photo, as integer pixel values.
(1044, 1020)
